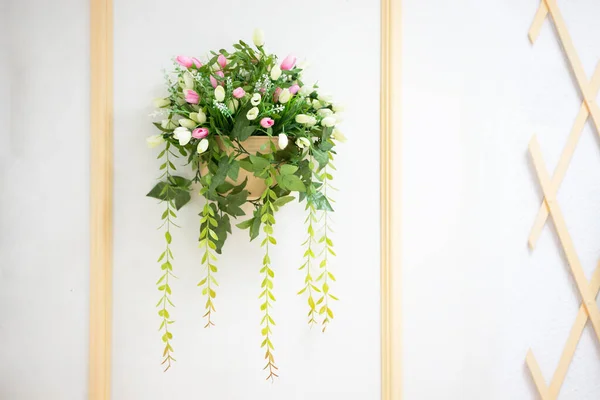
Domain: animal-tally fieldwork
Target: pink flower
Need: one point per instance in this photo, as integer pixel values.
(184, 61)
(200, 133)
(294, 89)
(267, 122)
(196, 62)
(238, 93)
(276, 95)
(213, 80)
(191, 96)
(222, 60)
(288, 63)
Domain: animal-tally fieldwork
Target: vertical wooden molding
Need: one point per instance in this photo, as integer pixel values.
(101, 184)
(391, 316)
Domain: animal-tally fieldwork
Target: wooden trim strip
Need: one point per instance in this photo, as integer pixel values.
(101, 185)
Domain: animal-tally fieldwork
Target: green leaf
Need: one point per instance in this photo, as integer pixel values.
(259, 163)
(255, 228)
(321, 157)
(287, 169)
(234, 170)
(283, 200)
(181, 198)
(291, 182)
(220, 175)
(159, 191)
(320, 201)
(245, 224)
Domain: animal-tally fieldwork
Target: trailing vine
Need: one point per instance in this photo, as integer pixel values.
(167, 267)
(325, 276)
(208, 239)
(267, 211)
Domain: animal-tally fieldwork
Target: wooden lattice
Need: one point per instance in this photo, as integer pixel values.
(550, 207)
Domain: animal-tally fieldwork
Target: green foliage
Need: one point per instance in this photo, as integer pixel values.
(208, 242)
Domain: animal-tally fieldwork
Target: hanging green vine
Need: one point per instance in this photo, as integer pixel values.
(267, 217)
(325, 276)
(208, 242)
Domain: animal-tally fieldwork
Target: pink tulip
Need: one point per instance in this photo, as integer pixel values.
(213, 80)
(276, 95)
(196, 62)
(288, 63)
(184, 61)
(200, 133)
(266, 122)
(222, 60)
(238, 93)
(294, 89)
(191, 96)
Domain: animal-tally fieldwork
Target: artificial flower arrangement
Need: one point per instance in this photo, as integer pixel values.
(253, 136)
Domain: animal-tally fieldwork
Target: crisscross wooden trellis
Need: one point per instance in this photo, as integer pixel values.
(588, 290)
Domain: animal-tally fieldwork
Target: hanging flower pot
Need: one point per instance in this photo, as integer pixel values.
(252, 137)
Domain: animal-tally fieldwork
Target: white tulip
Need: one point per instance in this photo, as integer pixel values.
(252, 113)
(305, 90)
(302, 142)
(160, 103)
(338, 117)
(219, 93)
(324, 112)
(167, 124)
(324, 98)
(304, 65)
(275, 72)
(199, 117)
(255, 100)
(188, 81)
(187, 123)
(283, 141)
(311, 121)
(202, 146)
(284, 96)
(183, 135)
(339, 136)
(302, 118)
(258, 37)
(154, 140)
(338, 108)
(316, 104)
(232, 105)
(328, 121)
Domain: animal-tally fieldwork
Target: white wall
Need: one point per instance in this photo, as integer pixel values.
(475, 298)
(341, 40)
(44, 159)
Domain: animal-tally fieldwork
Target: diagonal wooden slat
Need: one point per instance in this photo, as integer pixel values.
(564, 161)
(564, 236)
(551, 392)
(576, 66)
(538, 21)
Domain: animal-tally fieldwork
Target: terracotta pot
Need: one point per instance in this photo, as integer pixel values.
(255, 186)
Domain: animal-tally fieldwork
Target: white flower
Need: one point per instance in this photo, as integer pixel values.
(338, 117)
(219, 93)
(252, 113)
(311, 121)
(328, 121)
(255, 100)
(304, 64)
(232, 105)
(302, 142)
(167, 124)
(324, 112)
(160, 103)
(275, 72)
(305, 90)
(202, 146)
(283, 141)
(284, 96)
(338, 108)
(187, 123)
(302, 118)
(199, 117)
(324, 98)
(316, 104)
(155, 140)
(258, 37)
(183, 135)
(339, 136)
(188, 81)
